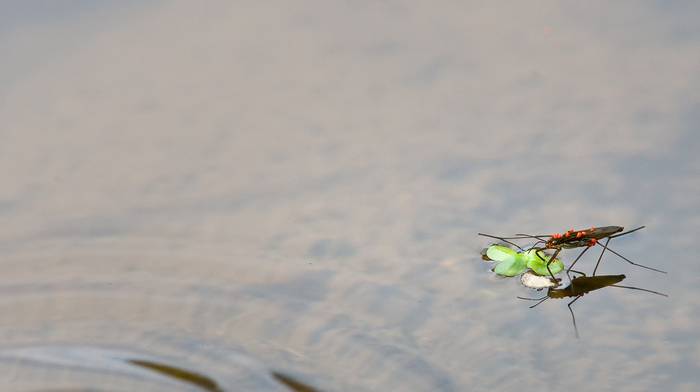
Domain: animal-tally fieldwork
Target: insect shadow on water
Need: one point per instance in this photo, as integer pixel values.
(582, 285)
(586, 239)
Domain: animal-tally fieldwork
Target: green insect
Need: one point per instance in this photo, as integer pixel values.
(512, 263)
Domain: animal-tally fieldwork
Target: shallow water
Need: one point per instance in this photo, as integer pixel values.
(246, 191)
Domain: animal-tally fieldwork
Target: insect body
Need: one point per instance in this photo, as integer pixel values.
(581, 238)
(583, 285)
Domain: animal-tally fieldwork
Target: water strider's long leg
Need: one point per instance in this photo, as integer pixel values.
(640, 289)
(538, 303)
(601, 255)
(537, 243)
(578, 272)
(572, 264)
(551, 259)
(546, 297)
(502, 239)
(537, 253)
(573, 318)
(627, 232)
(519, 236)
(633, 263)
(533, 299)
(542, 238)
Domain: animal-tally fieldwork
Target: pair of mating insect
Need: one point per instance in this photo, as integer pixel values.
(585, 239)
(580, 285)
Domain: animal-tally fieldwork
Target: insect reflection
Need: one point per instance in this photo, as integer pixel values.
(582, 285)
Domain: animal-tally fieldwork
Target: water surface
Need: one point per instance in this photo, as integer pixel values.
(243, 190)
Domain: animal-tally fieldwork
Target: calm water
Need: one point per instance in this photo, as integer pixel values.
(228, 191)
